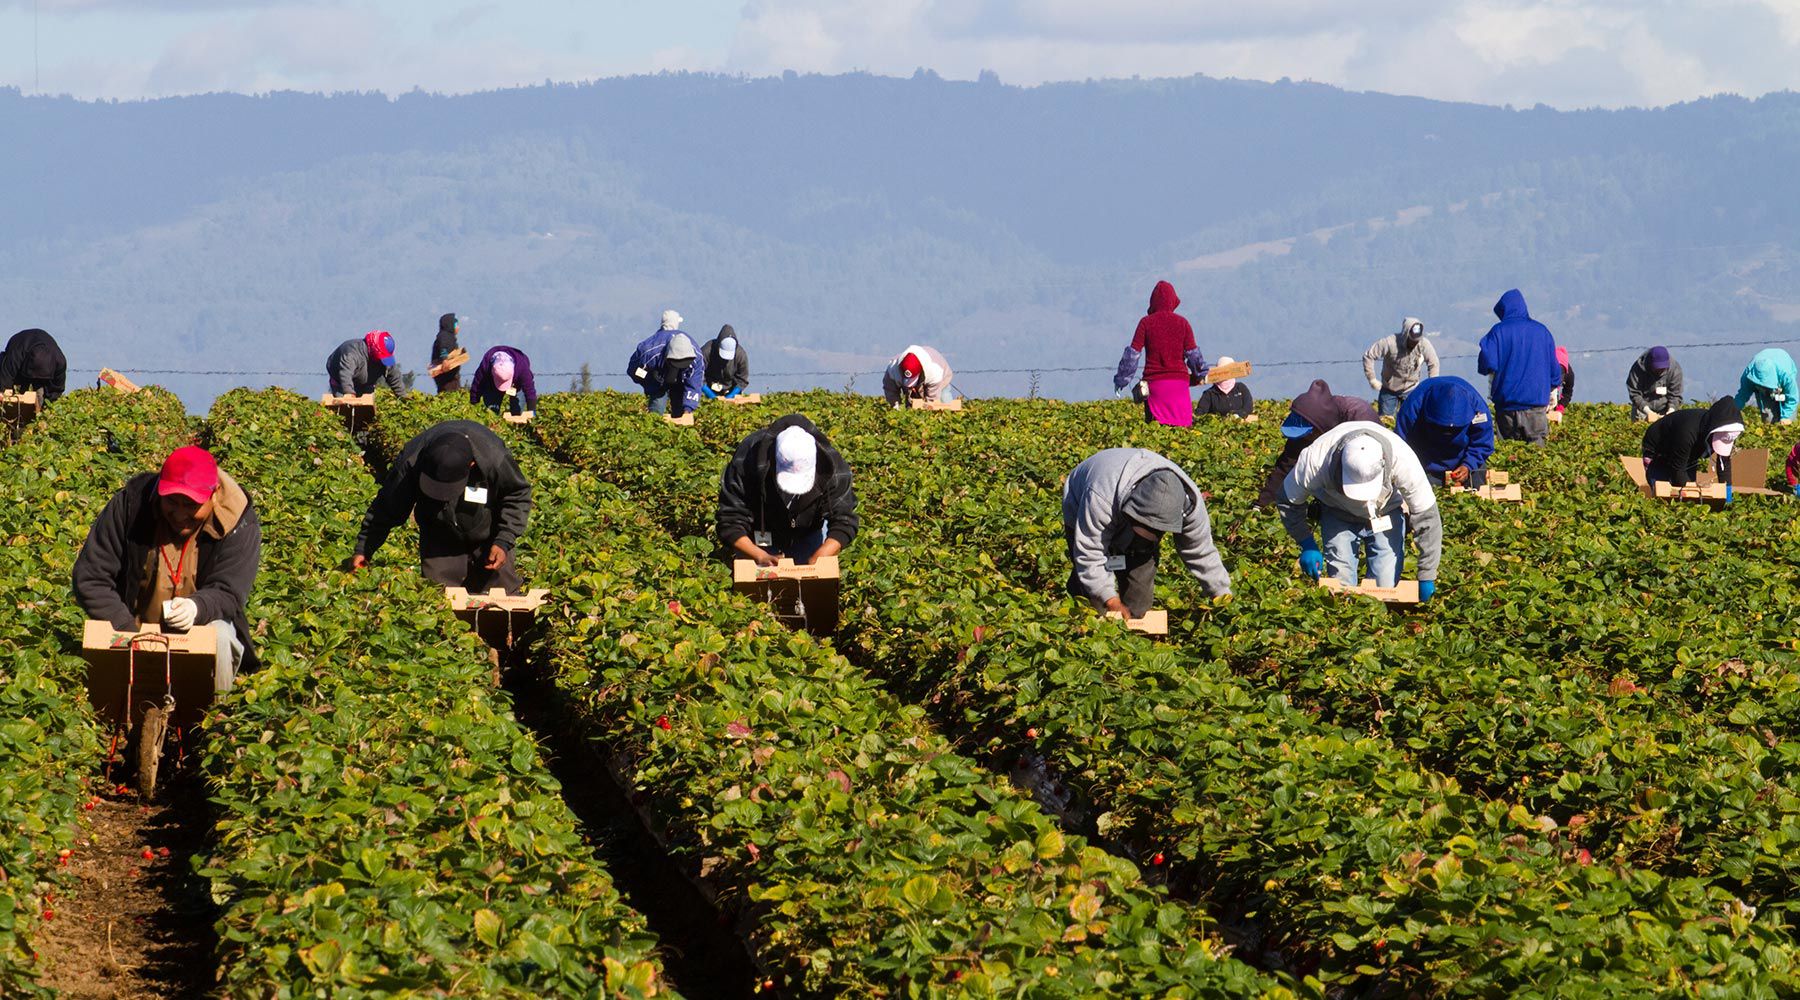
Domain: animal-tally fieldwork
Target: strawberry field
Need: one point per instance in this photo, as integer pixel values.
(1572, 774)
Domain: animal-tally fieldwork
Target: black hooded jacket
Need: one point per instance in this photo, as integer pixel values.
(732, 373)
(500, 520)
(1318, 407)
(1678, 443)
(33, 361)
(750, 502)
(444, 344)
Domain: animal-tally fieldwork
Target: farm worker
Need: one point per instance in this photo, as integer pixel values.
(357, 365)
(177, 547)
(1769, 380)
(786, 492)
(470, 500)
(1361, 474)
(1116, 507)
(1653, 385)
(726, 365)
(444, 345)
(1406, 359)
(1312, 413)
(1793, 470)
(1164, 345)
(917, 373)
(666, 365)
(1519, 356)
(1447, 425)
(1676, 445)
(503, 382)
(1228, 397)
(1565, 387)
(32, 362)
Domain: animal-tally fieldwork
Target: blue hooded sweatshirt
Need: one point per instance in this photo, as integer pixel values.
(1519, 356)
(1446, 423)
(1770, 372)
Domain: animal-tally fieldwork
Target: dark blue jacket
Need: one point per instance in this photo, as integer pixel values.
(1519, 355)
(1446, 423)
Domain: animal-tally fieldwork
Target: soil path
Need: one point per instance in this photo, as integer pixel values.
(131, 927)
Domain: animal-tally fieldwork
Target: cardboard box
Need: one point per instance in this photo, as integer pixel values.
(1555, 416)
(358, 411)
(1219, 373)
(1154, 622)
(685, 420)
(944, 405)
(800, 594)
(186, 658)
(452, 361)
(1747, 477)
(19, 408)
(1499, 488)
(117, 381)
(742, 399)
(499, 618)
(1749, 472)
(519, 418)
(1404, 592)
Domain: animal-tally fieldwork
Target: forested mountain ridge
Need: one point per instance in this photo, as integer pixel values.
(833, 220)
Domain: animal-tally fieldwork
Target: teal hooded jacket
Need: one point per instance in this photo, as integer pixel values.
(1772, 381)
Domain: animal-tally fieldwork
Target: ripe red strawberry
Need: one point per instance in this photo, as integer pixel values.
(1585, 856)
(162, 852)
(149, 855)
(674, 607)
(1031, 734)
(48, 915)
(1157, 858)
(663, 723)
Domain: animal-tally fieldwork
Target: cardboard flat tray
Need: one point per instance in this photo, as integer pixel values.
(945, 405)
(519, 418)
(1749, 471)
(1505, 492)
(685, 420)
(1154, 622)
(741, 399)
(1404, 592)
(496, 600)
(19, 407)
(1219, 373)
(1554, 417)
(348, 401)
(117, 381)
(747, 571)
(797, 594)
(188, 658)
(452, 361)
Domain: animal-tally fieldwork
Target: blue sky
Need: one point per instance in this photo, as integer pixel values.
(1566, 53)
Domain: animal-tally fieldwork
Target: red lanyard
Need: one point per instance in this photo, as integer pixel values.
(178, 568)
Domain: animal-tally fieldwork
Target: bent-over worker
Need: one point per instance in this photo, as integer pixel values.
(1449, 427)
(460, 483)
(1406, 358)
(1312, 413)
(725, 364)
(176, 547)
(666, 365)
(1371, 491)
(786, 492)
(1770, 381)
(32, 362)
(1116, 507)
(358, 365)
(1654, 385)
(917, 373)
(1675, 446)
(503, 382)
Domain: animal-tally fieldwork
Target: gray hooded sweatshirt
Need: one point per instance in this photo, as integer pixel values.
(1403, 365)
(1092, 523)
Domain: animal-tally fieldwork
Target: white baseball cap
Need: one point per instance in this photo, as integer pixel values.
(671, 320)
(728, 348)
(796, 461)
(1364, 469)
(1724, 437)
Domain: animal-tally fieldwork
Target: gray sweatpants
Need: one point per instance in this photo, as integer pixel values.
(1531, 426)
(230, 655)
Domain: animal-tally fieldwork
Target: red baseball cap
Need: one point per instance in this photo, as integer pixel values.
(191, 472)
(381, 346)
(911, 368)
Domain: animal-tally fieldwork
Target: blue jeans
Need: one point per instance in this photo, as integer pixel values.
(731, 393)
(1348, 538)
(801, 547)
(658, 404)
(1388, 403)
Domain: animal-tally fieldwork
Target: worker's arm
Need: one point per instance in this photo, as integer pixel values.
(97, 567)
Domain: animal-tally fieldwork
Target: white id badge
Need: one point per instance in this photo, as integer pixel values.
(1382, 523)
(1662, 390)
(1780, 397)
(640, 373)
(475, 494)
(762, 539)
(1115, 564)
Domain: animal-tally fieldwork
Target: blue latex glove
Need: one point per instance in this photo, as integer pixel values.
(1426, 589)
(1727, 492)
(1797, 490)
(1312, 561)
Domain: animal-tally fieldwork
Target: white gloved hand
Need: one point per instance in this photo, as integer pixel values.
(1375, 386)
(180, 613)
